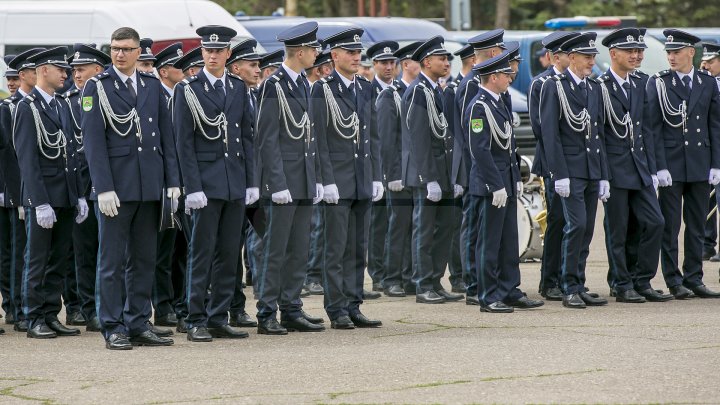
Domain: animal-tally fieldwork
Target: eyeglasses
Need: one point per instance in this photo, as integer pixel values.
(117, 50)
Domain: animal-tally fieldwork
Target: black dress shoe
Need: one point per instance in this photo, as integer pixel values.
(242, 320)
(2, 331)
(93, 325)
(707, 254)
(410, 289)
(304, 292)
(227, 332)
(61, 330)
(181, 326)
(526, 303)
(158, 331)
(371, 295)
(472, 300)
(429, 297)
(148, 338)
(394, 291)
(613, 292)
(41, 331)
(654, 296)
(361, 321)
(704, 292)
(592, 301)
(312, 319)
(166, 320)
(573, 301)
(315, 288)
(9, 319)
(199, 334)
(458, 288)
(449, 296)
(681, 293)
(715, 258)
(552, 294)
(497, 308)
(342, 322)
(300, 324)
(75, 319)
(630, 296)
(377, 287)
(271, 326)
(21, 326)
(592, 294)
(118, 341)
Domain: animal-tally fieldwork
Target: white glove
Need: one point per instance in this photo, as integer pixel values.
(252, 194)
(395, 186)
(282, 197)
(45, 216)
(457, 191)
(319, 193)
(604, 190)
(21, 213)
(714, 177)
(519, 186)
(2, 199)
(83, 210)
(109, 203)
(378, 191)
(331, 195)
(434, 191)
(196, 201)
(500, 198)
(664, 178)
(562, 187)
(173, 194)
(655, 181)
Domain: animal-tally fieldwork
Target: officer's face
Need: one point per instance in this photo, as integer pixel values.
(215, 59)
(53, 76)
(144, 66)
(346, 61)
(325, 69)
(171, 74)
(83, 73)
(582, 64)
(681, 59)
(713, 66)
(124, 54)
(268, 71)
(437, 65)
(192, 71)
(384, 69)
(640, 56)
(411, 67)
(502, 81)
(306, 55)
(625, 59)
(13, 83)
(514, 64)
(29, 77)
(248, 70)
(561, 60)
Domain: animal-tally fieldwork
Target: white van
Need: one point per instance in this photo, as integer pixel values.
(27, 24)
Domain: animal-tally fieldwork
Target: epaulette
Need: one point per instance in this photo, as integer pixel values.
(705, 72)
(603, 78)
(635, 74)
(28, 99)
(452, 84)
(101, 76)
(71, 93)
(543, 79)
(7, 101)
(662, 73)
(640, 73)
(559, 77)
(592, 80)
(362, 78)
(146, 74)
(476, 78)
(328, 79)
(480, 99)
(234, 76)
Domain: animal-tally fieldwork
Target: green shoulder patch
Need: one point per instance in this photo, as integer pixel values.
(87, 103)
(477, 125)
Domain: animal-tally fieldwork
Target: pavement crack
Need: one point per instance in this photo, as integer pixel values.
(9, 392)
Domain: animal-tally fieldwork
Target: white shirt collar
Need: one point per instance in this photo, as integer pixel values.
(382, 84)
(691, 74)
(293, 74)
(123, 77)
(619, 79)
(575, 77)
(46, 96)
(212, 79)
(168, 89)
(492, 93)
(347, 82)
(405, 83)
(557, 72)
(22, 93)
(434, 84)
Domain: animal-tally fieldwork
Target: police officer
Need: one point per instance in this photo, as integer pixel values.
(495, 179)
(270, 62)
(571, 115)
(383, 60)
(191, 62)
(683, 104)
(343, 107)
(321, 68)
(426, 163)
(290, 184)
(550, 267)
(12, 78)
(398, 259)
(128, 138)
(146, 60)
(631, 167)
(86, 62)
(467, 58)
(485, 46)
(711, 63)
(50, 196)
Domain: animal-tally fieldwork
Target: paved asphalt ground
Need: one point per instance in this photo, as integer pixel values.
(450, 353)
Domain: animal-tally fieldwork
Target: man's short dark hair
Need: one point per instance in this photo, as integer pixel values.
(125, 33)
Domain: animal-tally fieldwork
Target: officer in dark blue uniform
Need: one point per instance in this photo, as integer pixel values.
(86, 62)
(212, 117)
(271, 62)
(128, 138)
(485, 46)
(683, 104)
(571, 114)
(343, 107)
(495, 180)
(550, 268)
(290, 184)
(384, 61)
(426, 169)
(49, 194)
(631, 168)
(146, 60)
(191, 62)
(711, 62)
(467, 58)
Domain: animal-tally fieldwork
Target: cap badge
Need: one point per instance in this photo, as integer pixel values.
(591, 43)
(180, 52)
(147, 50)
(670, 38)
(77, 55)
(214, 38)
(641, 38)
(387, 49)
(356, 38)
(630, 38)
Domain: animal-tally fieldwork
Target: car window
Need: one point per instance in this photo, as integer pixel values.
(535, 66)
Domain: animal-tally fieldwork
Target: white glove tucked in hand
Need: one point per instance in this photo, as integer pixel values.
(2, 199)
(45, 216)
(378, 191)
(395, 186)
(108, 203)
(82, 208)
(252, 194)
(664, 178)
(519, 187)
(282, 197)
(173, 194)
(457, 191)
(500, 198)
(331, 194)
(196, 200)
(319, 193)
(562, 187)
(714, 177)
(21, 213)
(434, 191)
(655, 181)
(604, 190)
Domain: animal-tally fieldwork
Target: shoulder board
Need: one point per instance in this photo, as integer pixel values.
(146, 74)
(421, 84)
(28, 99)
(273, 79)
(362, 78)
(328, 79)
(476, 78)
(543, 78)
(592, 80)
(7, 101)
(393, 87)
(190, 79)
(71, 93)
(234, 76)
(662, 73)
(704, 72)
(603, 78)
(559, 77)
(635, 74)
(480, 99)
(101, 76)
(452, 85)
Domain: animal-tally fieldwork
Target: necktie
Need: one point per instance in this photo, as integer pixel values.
(301, 85)
(626, 86)
(219, 89)
(352, 88)
(129, 84)
(583, 89)
(53, 107)
(687, 81)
